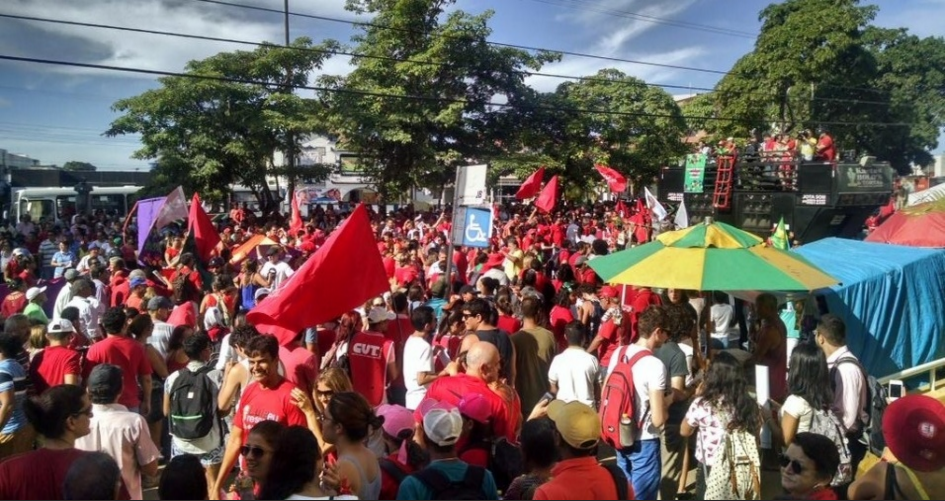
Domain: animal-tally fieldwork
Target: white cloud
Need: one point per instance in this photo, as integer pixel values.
(585, 67)
(620, 27)
(156, 52)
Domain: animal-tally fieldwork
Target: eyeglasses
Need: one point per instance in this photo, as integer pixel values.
(327, 393)
(467, 315)
(796, 467)
(252, 451)
(84, 412)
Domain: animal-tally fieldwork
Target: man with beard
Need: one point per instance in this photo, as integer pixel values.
(269, 397)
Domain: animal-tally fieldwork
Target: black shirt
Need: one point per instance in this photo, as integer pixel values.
(501, 340)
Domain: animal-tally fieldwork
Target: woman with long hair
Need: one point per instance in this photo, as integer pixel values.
(176, 358)
(295, 468)
(722, 405)
(561, 316)
(349, 325)
(809, 391)
(257, 453)
(346, 424)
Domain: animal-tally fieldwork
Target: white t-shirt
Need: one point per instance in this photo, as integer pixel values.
(418, 357)
(574, 371)
(649, 373)
(799, 409)
(722, 318)
(283, 271)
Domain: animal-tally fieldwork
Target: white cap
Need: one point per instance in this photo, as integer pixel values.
(60, 325)
(443, 426)
(32, 292)
(378, 314)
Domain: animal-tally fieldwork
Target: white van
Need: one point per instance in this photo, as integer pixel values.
(58, 204)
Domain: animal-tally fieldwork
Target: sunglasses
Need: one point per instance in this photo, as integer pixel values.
(796, 467)
(321, 393)
(252, 451)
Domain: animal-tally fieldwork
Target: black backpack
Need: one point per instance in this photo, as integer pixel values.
(875, 407)
(443, 488)
(193, 408)
(392, 470)
(506, 461)
(620, 480)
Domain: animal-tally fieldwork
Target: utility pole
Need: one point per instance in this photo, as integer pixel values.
(290, 139)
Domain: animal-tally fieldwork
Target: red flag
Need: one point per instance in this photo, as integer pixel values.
(621, 209)
(296, 223)
(548, 196)
(199, 225)
(532, 185)
(615, 180)
(340, 276)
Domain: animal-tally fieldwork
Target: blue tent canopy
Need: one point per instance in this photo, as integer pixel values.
(892, 299)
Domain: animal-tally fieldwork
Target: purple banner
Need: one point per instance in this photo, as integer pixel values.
(147, 213)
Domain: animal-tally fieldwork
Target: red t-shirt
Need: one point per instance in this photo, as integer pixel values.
(452, 389)
(258, 404)
(389, 485)
(509, 324)
(13, 304)
(121, 289)
(369, 354)
(560, 317)
(610, 334)
(50, 367)
(301, 367)
(136, 302)
(127, 354)
(39, 474)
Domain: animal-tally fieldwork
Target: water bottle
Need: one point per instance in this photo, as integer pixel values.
(627, 431)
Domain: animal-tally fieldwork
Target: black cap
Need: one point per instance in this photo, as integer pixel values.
(105, 383)
(273, 251)
(468, 289)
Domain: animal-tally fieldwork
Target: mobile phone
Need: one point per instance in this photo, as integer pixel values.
(896, 390)
(548, 397)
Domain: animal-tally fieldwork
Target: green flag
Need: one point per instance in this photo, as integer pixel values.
(780, 239)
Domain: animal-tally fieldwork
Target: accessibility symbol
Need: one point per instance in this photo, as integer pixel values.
(477, 227)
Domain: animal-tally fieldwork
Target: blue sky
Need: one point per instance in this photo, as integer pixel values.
(57, 113)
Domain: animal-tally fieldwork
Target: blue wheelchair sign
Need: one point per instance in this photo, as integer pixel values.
(477, 227)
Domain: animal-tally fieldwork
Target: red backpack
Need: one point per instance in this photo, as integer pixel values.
(617, 397)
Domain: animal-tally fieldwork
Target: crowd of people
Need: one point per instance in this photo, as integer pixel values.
(510, 372)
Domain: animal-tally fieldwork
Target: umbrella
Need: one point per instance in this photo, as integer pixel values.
(921, 225)
(711, 256)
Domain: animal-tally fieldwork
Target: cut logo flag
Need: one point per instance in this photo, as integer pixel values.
(615, 180)
(206, 238)
(779, 239)
(654, 205)
(548, 196)
(682, 216)
(340, 276)
(532, 185)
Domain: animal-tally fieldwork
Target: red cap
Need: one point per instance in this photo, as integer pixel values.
(608, 291)
(914, 429)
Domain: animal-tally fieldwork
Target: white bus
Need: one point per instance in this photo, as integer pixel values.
(59, 204)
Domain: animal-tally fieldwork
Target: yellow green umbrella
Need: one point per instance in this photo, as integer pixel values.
(711, 256)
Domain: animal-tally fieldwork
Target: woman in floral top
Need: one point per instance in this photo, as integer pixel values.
(723, 404)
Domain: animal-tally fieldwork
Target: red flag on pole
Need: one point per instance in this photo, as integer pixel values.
(296, 223)
(340, 276)
(532, 185)
(199, 225)
(615, 180)
(548, 196)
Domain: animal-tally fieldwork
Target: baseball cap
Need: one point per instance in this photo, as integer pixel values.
(60, 325)
(378, 314)
(93, 245)
(32, 292)
(137, 273)
(442, 422)
(397, 419)
(577, 423)
(105, 380)
(260, 292)
(273, 251)
(475, 407)
(914, 429)
(158, 302)
(608, 291)
(136, 281)
(70, 274)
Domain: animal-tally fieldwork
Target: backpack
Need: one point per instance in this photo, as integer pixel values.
(392, 470)
(617, 398)
(506, 461)
(826, 423)
(193, 407)
(620, 480)
(875, 406)
(735, 474)
(470, 487)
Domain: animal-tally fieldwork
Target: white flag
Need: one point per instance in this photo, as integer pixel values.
(654, 205)
(682, 216)
(174, 208)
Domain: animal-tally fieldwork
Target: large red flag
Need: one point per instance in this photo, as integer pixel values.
(548, 196)
(199, 225)
(340, 276)
(296, 223)
(615, 180)
(532, 185)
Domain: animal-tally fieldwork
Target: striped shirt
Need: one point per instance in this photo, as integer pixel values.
(13, 378)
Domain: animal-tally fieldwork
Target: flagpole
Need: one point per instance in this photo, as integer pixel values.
(449, 237)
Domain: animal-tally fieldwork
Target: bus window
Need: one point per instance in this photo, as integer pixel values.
(109, 203)
(65, 206)
(37, 209)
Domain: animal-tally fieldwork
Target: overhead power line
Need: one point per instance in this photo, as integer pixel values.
(369, 56)
(396, 96)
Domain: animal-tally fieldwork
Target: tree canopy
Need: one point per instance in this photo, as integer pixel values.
(76, 166)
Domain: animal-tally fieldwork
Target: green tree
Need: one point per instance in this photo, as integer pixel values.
(413, 48)
(76, 166)
(221, 122)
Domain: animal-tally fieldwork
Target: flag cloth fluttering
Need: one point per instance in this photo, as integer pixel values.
(615, 180)
(342, 274)
(206, 238)
(654, 205)
(548, 196)
(780, 239)
(296, 222)
(682, 216)
(532, 185)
